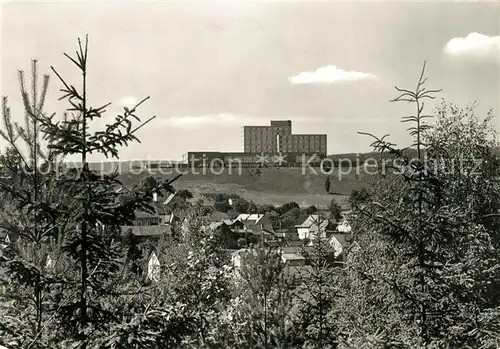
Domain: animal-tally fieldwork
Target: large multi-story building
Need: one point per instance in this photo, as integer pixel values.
(278, 138)
(266, 145)
(218, 159)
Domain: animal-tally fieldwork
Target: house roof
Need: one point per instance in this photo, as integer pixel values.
(344, 227)
(142, 214)
(170, 218)
(344, 239)
(294, 243)
(311, 242)
(242, 231)
(287, 231)
(147, 230)
(310, 220)
(313, 221)
(242, 251)
(254, 217)
(292, 257)
(169, 198)
(322, 226)
(215, 225)
(295, 249)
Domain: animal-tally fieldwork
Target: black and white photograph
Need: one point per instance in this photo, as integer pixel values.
(261, 174)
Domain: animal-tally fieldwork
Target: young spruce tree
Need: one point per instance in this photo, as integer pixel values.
(92, 204)
(421, 257)
(30, 196)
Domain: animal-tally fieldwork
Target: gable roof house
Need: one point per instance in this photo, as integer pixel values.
(237, 256)
(344, 226)
(145, 218)
(185, 225)
(234, 224)
(293, 259)
(229, 238)
(169, 219)
(287, 234)
(295, 264)
(256, 222)
(340, 243)
(314, 226)
(233, 231)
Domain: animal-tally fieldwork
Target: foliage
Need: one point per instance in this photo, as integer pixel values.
(422, 261)
(31, 198)
(259, 312)
(291, 218)
(184, 194)
(359, 197)
(287, 207)
(335, 209)
(91, 205)
(311, 210)
(423, 271)
(318, 293)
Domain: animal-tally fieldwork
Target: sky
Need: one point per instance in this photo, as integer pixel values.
(211, 67)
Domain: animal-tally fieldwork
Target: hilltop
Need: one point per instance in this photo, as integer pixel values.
(272, 185)
(267, 185)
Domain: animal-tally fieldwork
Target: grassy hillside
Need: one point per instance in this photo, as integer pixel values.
(272, 185)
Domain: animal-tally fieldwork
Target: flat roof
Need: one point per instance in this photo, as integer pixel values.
(293, 256)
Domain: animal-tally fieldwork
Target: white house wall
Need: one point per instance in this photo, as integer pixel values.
(303, 233)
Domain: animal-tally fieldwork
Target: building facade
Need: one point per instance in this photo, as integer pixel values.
(237, 159)
(278, 138)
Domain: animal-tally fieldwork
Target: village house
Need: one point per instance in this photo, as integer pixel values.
(293, 259)
(344, 226)
(314, 226)
(151, 225)
(239, 255)
(146, 219)
(295, 267)
(287, 234)
(258, 223)
(337, 242)
(229, 236)
(253, 228)
(169, 219)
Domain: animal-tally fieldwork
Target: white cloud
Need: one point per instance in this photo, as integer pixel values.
(228, 119)
(330, 74)
(128, 101)
(204, 120)
(474, 45)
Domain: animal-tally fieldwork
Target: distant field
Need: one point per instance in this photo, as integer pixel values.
(273, 185)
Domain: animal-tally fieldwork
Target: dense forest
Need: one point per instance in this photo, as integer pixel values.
(423, 270)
